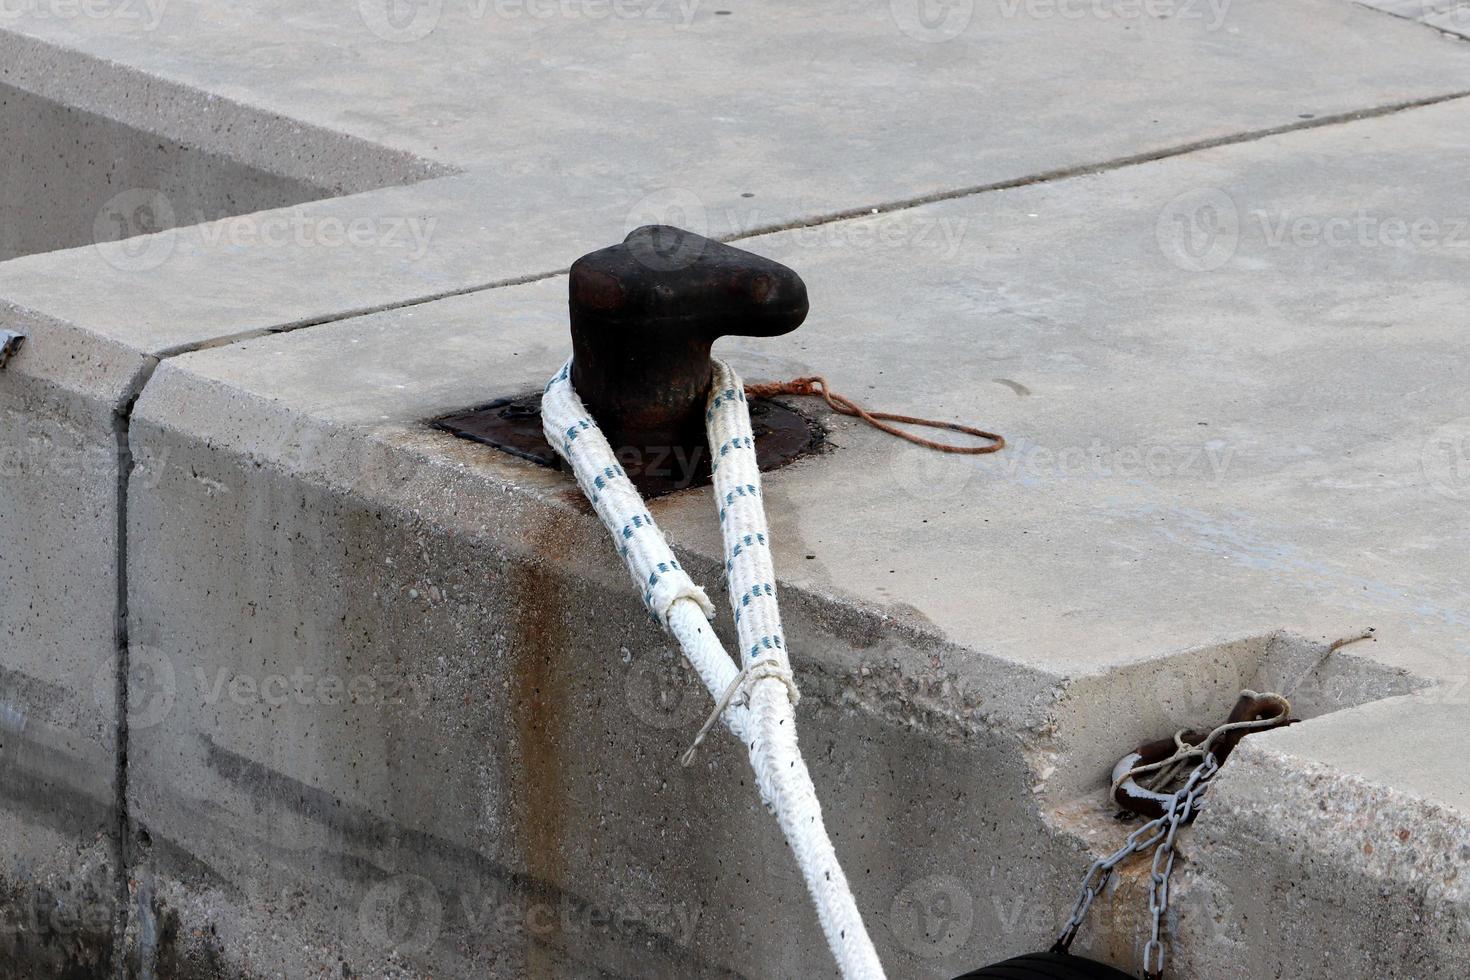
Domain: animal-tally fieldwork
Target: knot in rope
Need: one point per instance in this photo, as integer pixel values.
(758, 671)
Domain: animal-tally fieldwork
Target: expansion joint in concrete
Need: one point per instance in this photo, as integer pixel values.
(123, 830)
(235, 338)
(863, 211)
(1117, 163)
(1424, 11)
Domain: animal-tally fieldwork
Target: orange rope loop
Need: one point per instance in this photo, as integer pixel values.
(817, 385)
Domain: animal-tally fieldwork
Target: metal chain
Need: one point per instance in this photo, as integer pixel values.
(1159, 836)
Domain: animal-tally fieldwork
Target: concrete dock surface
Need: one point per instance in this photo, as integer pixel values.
(294, 684)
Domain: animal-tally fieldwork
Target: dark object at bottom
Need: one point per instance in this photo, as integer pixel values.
(1047, 966)
(513, 425)
(10, 341)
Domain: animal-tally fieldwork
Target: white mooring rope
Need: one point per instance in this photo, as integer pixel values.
(764, 718)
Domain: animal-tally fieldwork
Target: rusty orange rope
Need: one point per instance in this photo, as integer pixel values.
(817, 385)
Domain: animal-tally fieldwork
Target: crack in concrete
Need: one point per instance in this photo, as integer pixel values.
(1424, 12)
(1106, 166)
(235, 338)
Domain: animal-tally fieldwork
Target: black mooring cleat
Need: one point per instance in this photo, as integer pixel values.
(644, 315)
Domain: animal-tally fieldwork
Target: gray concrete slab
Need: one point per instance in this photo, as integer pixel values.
(74, 176)
(63, 166)
(885, 93)
(313, 94)
(1313, 380)
(1236, 436)
(125, 93)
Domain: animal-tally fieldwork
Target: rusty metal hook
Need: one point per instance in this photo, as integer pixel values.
(1251, 708)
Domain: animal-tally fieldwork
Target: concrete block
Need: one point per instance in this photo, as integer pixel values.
(65, 398)
(1343, 846)
(64, 168)
(501, 793)
(839, 107)
(970, 674)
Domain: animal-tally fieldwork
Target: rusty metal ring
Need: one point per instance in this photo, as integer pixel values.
(1129, 793)
(1134, 797)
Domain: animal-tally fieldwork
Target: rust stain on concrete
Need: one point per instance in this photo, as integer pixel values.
(539, 691)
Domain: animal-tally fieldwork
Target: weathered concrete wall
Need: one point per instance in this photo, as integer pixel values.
(61, 449)
(70, 175)
(503, 781)
(70, 178)
(302, 477)
(403, 729)
(501, 794)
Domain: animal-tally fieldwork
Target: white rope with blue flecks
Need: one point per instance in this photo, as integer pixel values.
(757, 701)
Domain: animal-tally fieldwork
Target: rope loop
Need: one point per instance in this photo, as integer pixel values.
(1186, 751)
(765, 725)
(816, 385)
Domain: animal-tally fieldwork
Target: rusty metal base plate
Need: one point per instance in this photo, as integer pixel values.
(513, 425)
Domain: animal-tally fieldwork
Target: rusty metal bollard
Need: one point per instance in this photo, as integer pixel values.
(644, 316)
